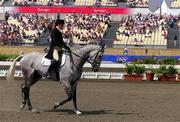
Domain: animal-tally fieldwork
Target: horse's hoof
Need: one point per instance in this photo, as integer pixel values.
(35, 111)
(21, 107)
(78, 112)
(56, 105)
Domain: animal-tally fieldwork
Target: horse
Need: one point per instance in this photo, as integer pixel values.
(70, 72)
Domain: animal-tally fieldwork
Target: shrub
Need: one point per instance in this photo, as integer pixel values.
(170, 61)
(4, 57)
(167, 70)
(135, 69)
(149, 60)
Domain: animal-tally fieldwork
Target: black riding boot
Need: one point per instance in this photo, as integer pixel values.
(51, 73)
(56, 69)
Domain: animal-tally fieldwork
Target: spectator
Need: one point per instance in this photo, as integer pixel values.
(146, 51)
(125, 52)
(175, 37)
(6, 15)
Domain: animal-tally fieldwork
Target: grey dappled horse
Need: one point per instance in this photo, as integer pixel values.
(69, 73)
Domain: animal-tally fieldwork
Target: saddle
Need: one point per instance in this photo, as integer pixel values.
(47, 62)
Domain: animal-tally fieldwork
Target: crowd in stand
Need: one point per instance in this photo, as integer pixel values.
(21, 28)
(143, 29)
(27, 28)
(87, 28)
(173, 21)
(9, 34)
(92, 3)
(137, 3)
(80, 28)
(139, 24)
(99, 3)
(37, 2)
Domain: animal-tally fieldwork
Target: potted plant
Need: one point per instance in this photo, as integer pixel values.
(170, 61)
(151, 60)
(150, 73)
(167, 73)
(134, 72)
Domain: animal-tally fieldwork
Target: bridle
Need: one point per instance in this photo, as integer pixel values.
(94, 62)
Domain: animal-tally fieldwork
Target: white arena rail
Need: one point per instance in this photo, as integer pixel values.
(87, 65)
(86, 75)
(102, 75)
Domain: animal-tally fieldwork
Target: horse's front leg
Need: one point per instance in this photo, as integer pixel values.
(68, 89)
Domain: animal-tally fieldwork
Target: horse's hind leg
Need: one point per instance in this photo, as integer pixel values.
(26, 89)
(24, 96)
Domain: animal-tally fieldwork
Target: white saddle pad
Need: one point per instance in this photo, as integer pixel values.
(47, 62)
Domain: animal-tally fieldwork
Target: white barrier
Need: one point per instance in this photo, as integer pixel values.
(103, 65)
(86, 65)
(3, 73)
(18, 73)
(85, 75)
(102, 75)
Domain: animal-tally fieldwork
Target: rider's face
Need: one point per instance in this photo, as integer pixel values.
(61, 26)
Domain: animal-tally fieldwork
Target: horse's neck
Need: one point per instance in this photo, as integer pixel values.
(84, 52)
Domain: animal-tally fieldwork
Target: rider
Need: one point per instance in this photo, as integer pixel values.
(55, 51)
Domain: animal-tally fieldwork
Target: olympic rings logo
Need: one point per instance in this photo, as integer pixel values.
(122, 59)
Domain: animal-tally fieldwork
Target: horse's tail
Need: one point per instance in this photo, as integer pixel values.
(10, 74)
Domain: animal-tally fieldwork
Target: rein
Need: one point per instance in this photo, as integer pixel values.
(96, 54)
(92, 63)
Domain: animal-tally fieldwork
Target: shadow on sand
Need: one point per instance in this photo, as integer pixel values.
(93, 112)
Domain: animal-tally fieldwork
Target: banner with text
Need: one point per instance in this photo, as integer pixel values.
(82, 10)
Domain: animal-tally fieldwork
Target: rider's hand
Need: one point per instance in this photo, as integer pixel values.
(68, 49)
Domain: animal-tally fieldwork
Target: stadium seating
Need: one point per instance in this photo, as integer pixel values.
(175, 4)
(82, 31)
(27, 33)
(137, 3)
(156, 37)
(30, 27)
(94, 3)
(38, 2)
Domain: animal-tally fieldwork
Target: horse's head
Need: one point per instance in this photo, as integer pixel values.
(95, 57)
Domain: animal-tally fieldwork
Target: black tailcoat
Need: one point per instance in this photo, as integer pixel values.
(56, 41)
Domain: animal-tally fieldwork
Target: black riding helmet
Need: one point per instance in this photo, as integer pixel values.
(59, 21)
